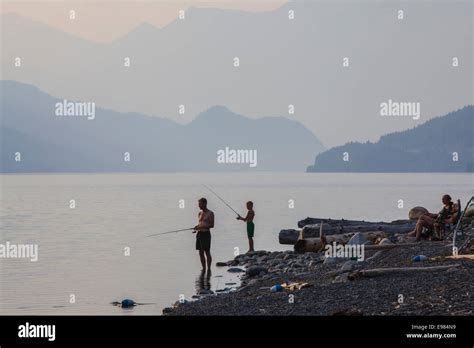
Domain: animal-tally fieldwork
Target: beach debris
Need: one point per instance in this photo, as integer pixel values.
(397, 270)
(289, 286)
(126, 303)
(276, 288)
(453, 257)
(419, 258)
(296, 286)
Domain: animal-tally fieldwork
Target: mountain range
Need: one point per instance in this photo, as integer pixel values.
(51, 143)
(442, 144)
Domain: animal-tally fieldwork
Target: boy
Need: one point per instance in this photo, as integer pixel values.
(250, 225)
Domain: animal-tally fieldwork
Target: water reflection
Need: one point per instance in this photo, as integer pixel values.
(203, 283)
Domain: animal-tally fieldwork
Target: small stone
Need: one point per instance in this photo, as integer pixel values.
(348, 266)
(252, 282)
(235, 270)
(385, 241)
(342, 278)
(329, 261)
(256, 270)
(232, 263)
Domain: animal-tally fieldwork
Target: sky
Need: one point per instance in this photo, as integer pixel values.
(108, 20)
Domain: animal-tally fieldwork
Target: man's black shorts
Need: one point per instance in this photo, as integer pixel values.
(203, 240)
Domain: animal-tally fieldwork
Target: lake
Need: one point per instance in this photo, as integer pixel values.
(82, 249)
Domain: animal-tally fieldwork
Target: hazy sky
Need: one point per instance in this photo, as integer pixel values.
(107, 20)
(283, 62)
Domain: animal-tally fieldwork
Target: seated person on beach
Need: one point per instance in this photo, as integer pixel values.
(250, 225)
(434, 223)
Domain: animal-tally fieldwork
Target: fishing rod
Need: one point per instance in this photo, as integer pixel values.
(175, 231)
(192, 228)
(221, 200)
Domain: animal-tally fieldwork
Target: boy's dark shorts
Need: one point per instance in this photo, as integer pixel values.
(250, 229)
(203, 240)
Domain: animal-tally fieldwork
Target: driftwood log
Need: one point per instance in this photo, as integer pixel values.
(304, 245)
(333, 227)
(376, 272)
(348, 223)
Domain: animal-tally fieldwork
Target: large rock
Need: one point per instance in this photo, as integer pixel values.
(416, 212)
(469, 211)
(357, 238)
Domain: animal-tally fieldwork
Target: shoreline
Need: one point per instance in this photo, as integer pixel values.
(341, 286)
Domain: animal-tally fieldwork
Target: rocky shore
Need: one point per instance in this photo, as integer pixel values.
(388, 281)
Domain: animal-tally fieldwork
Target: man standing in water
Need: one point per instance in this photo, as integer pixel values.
(203, 235)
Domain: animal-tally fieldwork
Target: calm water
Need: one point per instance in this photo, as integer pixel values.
(81, 250)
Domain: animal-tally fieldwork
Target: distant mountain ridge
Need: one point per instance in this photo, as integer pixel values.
(191, 62)
(49, 143)
(432, 146)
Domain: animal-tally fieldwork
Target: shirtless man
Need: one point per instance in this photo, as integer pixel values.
(203, 235)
